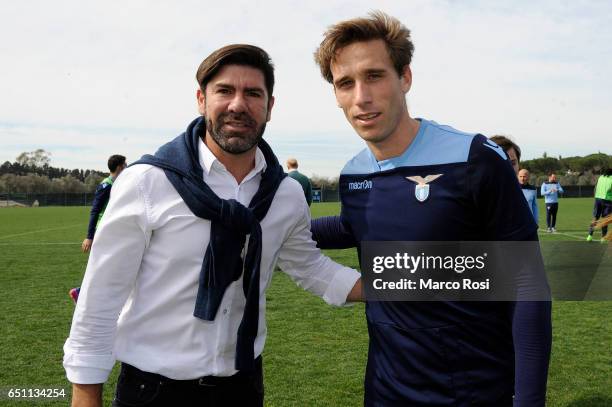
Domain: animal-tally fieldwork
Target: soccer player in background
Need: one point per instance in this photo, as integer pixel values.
(603, 202)
(116, 164)
(602, 223)
(434, 353)
(512, 150)
(530, 192)
(550, 190)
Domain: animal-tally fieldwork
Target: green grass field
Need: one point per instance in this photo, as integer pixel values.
(315, 355)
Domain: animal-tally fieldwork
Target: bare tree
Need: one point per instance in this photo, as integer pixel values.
(36, 158)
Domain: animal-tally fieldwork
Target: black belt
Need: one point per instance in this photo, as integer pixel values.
(205, 381)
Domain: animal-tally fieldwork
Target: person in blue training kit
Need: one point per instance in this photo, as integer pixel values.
(550, 190)
(116, 164)
(512, 150)
(428, 353)
(530, 192)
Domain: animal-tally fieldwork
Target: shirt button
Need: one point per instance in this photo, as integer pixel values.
(225, 311)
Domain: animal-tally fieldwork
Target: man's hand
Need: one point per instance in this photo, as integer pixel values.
(86, 395)
(356, 293)
(86, 245)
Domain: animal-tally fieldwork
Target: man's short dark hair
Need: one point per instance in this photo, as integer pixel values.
(237, 54)
(506, 144)
(115, 161)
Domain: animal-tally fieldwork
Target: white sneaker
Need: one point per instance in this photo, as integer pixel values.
(553, 230)
(549, 230)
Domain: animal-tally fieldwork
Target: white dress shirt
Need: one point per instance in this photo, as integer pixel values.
(149, 249)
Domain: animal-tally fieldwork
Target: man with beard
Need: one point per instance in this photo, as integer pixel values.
(187, 250)
(423, 181)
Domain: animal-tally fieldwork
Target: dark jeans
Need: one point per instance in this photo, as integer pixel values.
(138, 388)
(551, 214)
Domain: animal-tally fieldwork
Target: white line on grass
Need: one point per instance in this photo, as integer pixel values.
(40, 230)
(580, 236)
(559, 233)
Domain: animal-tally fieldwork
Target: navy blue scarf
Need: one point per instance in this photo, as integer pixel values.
(230, 223)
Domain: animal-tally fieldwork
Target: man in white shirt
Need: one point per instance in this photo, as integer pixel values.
(179, 298)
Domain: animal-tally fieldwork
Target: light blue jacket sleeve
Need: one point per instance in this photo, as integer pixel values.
(534, 205)
(559, 188)
(544, 189)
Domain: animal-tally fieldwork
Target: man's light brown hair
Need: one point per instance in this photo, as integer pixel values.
(237, 54)
(506, 144)
(292, 163)
(377, 26)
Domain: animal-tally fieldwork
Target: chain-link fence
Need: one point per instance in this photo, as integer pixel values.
(25, 199)
(326, 195)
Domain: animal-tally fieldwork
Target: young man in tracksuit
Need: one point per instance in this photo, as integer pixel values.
(550, 190)
(418, 180)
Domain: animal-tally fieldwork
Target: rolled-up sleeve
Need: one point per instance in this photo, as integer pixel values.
(113, 265)
(310, 269)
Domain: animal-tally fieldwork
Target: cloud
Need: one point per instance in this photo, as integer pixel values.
(120, 75)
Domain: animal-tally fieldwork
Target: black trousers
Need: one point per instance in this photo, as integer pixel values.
(138, 388)
(601, 209)
(551, 214)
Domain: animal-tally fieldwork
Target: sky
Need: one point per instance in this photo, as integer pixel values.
(87, 79)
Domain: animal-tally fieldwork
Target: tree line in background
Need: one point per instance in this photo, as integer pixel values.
(570, 170)
(32, 173)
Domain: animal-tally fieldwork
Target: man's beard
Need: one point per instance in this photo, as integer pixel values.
(235, 142)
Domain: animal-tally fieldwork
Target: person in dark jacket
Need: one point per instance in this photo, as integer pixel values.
(116, 164)
(292, 167)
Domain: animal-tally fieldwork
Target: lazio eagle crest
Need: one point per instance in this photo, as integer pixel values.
(421, 190)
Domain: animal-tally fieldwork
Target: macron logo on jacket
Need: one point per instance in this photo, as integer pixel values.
(358, 185)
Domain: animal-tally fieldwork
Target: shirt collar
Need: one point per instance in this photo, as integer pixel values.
(208, 160)
(406, 156)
